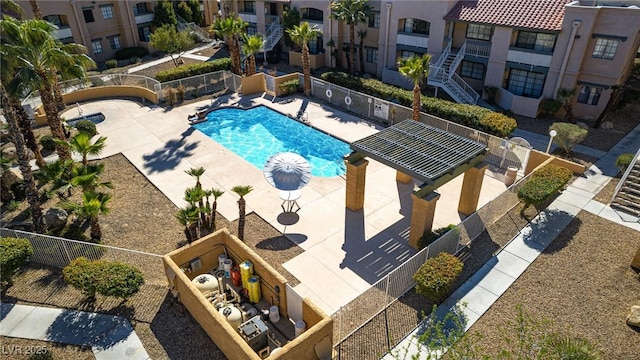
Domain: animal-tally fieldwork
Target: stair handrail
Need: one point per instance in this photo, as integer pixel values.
(458, 59)
(437, 74)
(477, 48)
(625, 175)
(467, 90)
(191, 26)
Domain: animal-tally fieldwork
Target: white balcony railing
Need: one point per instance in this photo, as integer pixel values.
(144, 18)
(413, 40)
(62, 33)
(251, 18)
(531, 58)
(478, 48)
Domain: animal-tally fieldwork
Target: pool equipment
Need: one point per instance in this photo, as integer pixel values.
(227, 264)
(254, 332)
(254, 289)
(221, 258)
(232, 314)
(300, 327)
(206, 283)
(246, 271)
(235, 276)
(274, 314)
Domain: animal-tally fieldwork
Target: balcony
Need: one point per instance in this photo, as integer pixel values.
(62, 33)
(528, 57)
(268, 19)
(421, 41)
(144, 18)
(251, 18)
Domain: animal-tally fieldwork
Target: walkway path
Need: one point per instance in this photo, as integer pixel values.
(500, 272)
(540, 142)
(188, 54)
(110, 337)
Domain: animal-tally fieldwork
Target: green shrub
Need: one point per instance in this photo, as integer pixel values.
(128, 53)
(111, 63)
(103, 277)
(436, 276)
(13, 254)
(623, 161)
(431, 236)
(549, 107)
(569, 135)
(543, 183)
(86, 126)
(188, 70)
(472, 116)
(289, 87)
(47, 142)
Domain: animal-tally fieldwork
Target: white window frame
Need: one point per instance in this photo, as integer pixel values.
(114, 42)
(107, 11)
(605, 48)
(372, 55)
(96, 46)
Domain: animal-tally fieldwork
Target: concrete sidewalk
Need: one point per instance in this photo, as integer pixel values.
(540, 142)
(110, 337)
(500, 272)
(188, 54)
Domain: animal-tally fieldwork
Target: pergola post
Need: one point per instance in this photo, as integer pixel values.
(403, 178)
(471, 187)
(424, 208)
(356, 176)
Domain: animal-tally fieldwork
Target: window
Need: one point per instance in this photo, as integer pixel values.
(374, 20)
(107, 11)
(88, 15)
(114, 41)
(140, 8)
(589, 95)
(479, 31)
(56, 20)
(312, 14)
(525, 83)
(250, 7)
(372, 55)
(415, 26)
(536, 41)
(405, 54)
(96, 46)
(144, 32)
(252, 29)
(605, 48)
(472, 70)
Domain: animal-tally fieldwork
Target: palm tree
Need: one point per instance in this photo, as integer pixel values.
(93, 205)
(10, 8)
(352, 13)
(362, 34)
(229, 29)
(40, 60)
(188, 217)
(242, 191)
(37, 14)
(416, 69)
(81, 144)
(252, 45)
(86, 177)
(195, 197)
(196, 173)
(301, 35)
(216, 193)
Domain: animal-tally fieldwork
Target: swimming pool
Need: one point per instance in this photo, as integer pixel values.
(260, 132)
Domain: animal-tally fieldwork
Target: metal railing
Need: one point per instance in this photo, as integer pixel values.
(272, 35)
(624, 177)
(196, 86)
(193, 29)
(477, 48)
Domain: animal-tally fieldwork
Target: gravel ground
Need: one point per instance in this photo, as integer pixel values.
(23, 349)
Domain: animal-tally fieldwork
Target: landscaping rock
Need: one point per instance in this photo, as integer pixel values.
(583, 125)
(11, 176)
(9, 152)
(55, 218)
(634, 316)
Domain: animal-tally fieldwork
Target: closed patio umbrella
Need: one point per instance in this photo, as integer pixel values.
(287, 171)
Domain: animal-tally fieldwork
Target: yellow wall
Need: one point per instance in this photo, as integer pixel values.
(253, 84)
(537, 157)
(100, 93)
(315, 61)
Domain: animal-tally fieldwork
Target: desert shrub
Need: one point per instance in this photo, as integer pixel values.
(111, 63)
(45, 354)
(181, 91)
(436, 276)
(47, 143)
(184, 71)
(569, 135)
(549, 107)
(103, 277)
(128, 53)
(472, 116)
(171, 96)
(543, 183)
(289, 87)
(623, 161)
(431, 236)
(14, 253)
(86, 126)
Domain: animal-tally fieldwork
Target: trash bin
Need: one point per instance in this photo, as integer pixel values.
(510, 175)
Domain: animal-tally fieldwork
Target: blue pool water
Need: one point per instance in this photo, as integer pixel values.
(256, 134)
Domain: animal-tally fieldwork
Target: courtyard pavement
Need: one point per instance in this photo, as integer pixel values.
(345, 251)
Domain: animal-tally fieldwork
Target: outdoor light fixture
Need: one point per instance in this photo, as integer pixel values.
(552, 134)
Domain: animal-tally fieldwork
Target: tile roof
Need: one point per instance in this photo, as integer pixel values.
(531, 14)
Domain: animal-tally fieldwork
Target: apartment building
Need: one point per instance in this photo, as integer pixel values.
(104, 27)
(526, 49)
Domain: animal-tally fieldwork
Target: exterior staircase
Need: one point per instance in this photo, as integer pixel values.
(271, 38)
(626, 198)
(193, 29)
(443, 74)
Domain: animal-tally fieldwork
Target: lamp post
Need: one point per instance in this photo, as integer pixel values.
(552, 134)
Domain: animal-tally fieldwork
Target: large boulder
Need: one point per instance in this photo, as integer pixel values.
(55, 218)
(633, 319)
(9, 152)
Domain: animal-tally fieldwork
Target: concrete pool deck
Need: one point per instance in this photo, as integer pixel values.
(345, 251)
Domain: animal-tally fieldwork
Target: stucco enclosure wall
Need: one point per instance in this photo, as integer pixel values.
(315, 61)
(282, 79)
(253, 84)
(537, 157)
(99, 93)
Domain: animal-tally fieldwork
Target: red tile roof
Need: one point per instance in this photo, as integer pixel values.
(531, 14)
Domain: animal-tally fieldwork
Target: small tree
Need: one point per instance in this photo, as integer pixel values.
(184, 11)
(171, 41)
(565, 96)
(543, 183)
(436, 276)
(216, 193)
(13, 254)
(196, 13)
(93, 205)
(163, 14)
(568, 135)
(290, 19)
(362, 34)
(242, 191)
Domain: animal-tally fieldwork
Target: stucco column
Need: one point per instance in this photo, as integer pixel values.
(403, 178)
(424, 208)
(471, 186)
(356, 175)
